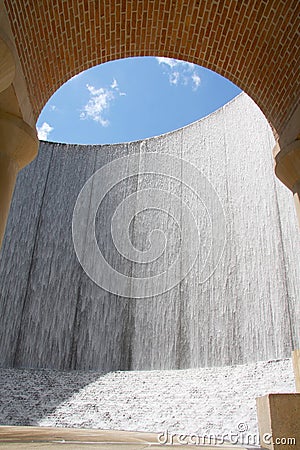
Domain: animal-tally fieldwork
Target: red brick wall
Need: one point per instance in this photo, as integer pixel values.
(254, 43)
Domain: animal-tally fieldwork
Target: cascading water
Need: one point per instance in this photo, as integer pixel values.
(53, 315)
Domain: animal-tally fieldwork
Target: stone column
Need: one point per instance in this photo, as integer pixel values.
(18, 141)
(287, 169)
(279, 414)
(278, 421)
(18, 146)
(7, 65)
(296, 366)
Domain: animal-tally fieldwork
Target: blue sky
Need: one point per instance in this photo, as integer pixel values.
(132, 99)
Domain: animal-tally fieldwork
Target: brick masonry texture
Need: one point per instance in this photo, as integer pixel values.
(254, 43)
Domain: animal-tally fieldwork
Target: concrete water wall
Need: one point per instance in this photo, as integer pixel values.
(53, 315)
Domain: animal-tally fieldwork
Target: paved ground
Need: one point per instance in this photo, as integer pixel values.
(219, 400)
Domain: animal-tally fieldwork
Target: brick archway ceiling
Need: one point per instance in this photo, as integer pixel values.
(254, 43)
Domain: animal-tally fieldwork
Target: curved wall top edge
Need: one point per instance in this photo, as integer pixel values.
(163, 135)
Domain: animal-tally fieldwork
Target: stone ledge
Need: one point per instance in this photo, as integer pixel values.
(279, 421)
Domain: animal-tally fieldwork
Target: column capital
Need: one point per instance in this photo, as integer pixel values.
(287, 164)
(18, 146)
(19, 141)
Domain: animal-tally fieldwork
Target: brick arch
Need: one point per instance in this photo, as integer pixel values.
(253, 43)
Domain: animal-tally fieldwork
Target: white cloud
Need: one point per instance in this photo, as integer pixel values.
(171, 62)
(174, 77)
(99, 102)
(114, 84)
(53, 108)
(196, 80)
(168, 61)
(180, 72)
(44, 131)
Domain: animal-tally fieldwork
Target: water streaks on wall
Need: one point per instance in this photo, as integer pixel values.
(53, 315)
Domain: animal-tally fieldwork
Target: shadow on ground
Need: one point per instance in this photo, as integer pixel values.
(27, 396)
